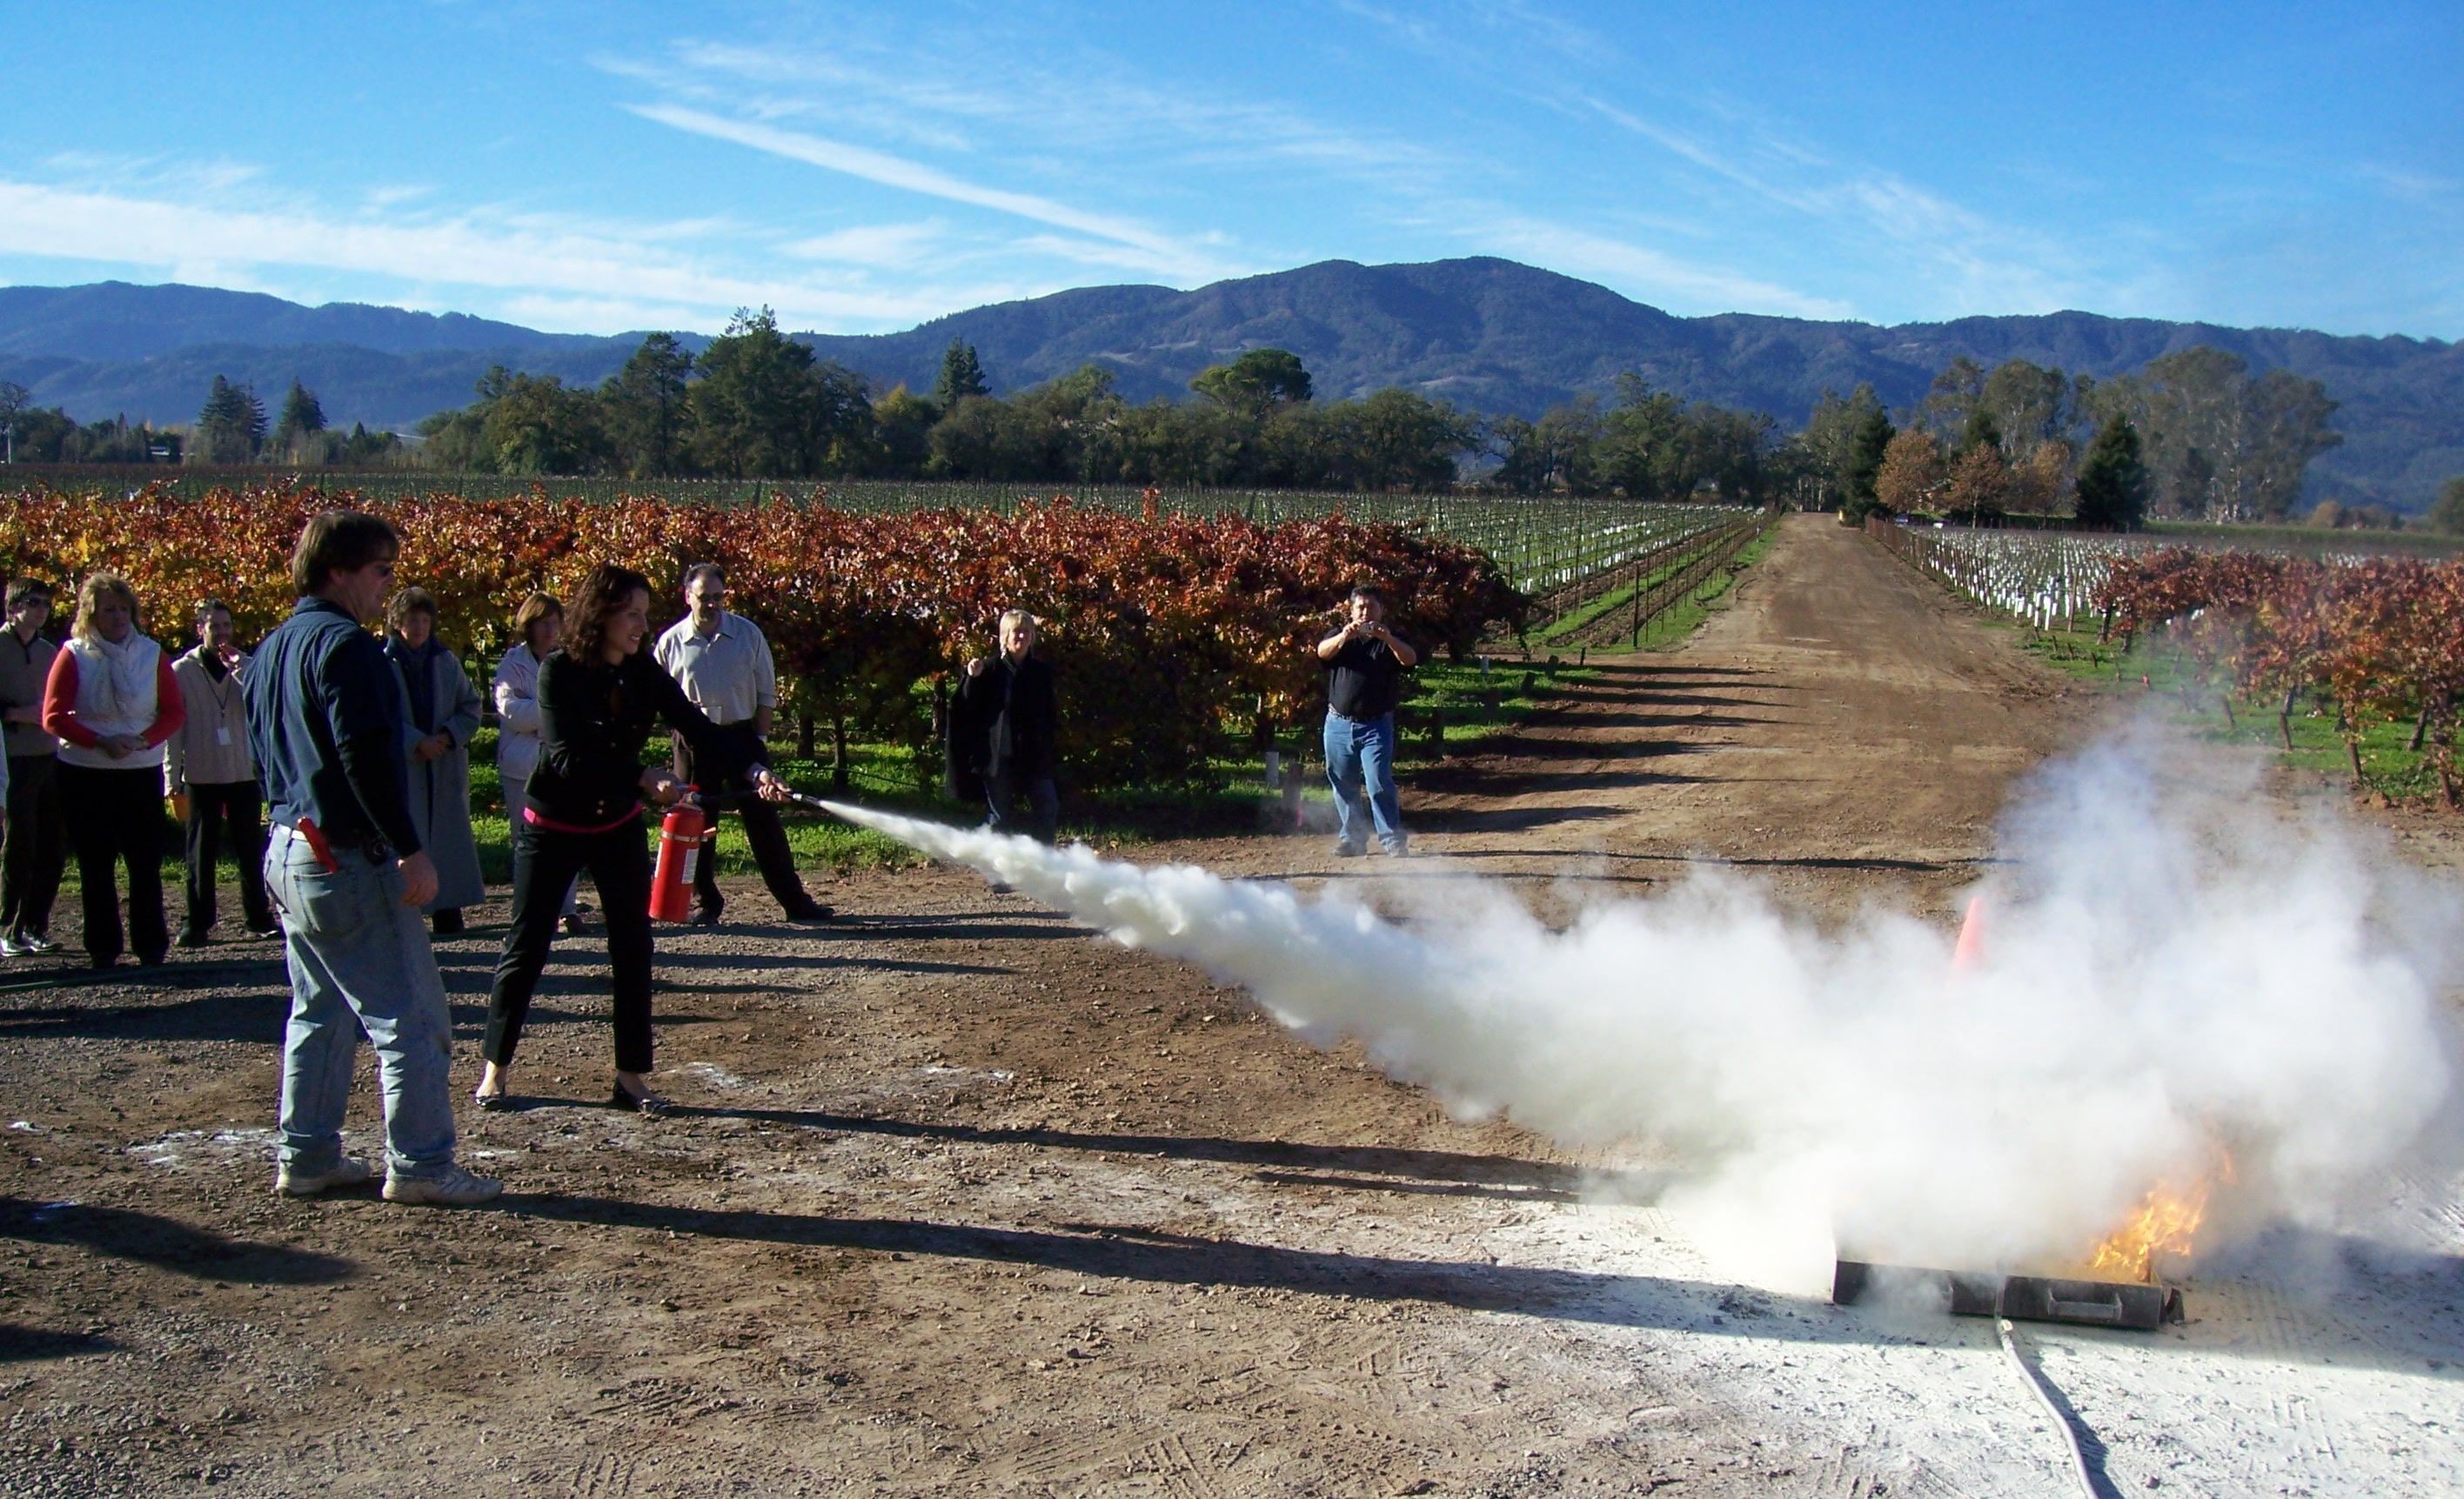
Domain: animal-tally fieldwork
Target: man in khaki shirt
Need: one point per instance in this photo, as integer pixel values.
(722, 661)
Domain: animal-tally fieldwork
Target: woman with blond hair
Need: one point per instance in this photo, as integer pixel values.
(112, 701)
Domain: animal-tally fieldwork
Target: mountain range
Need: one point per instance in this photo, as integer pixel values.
(1491, 335)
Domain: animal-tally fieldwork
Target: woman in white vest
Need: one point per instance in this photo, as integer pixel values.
(541, 624)
(111, 700)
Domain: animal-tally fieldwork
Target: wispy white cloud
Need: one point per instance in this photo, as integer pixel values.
(1646, 273)
(592, 281)
(2411, 186)
(395, 195)
(1159, 251)
(1080, 252)
(1037, 100)
(1733, 165)
(882, 245)
(1991, 266)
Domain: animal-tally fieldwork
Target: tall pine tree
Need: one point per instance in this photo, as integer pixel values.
(301, 419)
(2113, 478)
(644, 409)
(961, 375)
(231, 426)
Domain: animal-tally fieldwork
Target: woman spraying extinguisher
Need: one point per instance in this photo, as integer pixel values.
(599, 699)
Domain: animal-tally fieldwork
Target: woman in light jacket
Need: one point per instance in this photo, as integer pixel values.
(111, 700)
(442, 713)
(541, 623)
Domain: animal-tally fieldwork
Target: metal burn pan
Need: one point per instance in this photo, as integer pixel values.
(2025, 1298)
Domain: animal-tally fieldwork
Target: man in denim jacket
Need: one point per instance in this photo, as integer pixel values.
(344, 864)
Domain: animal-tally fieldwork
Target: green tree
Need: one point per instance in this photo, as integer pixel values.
(644, 410)
(1828, 453)
(362, 445)
(519, 423)
(1981, 432)
(1952, 399)
(2254, 438)
(2284, 425)
(764, 409)
(231, 426)
(1873, 440)
(902, 426)
(1400, 439)
(962, 374)
(2113, 478)
(450, 441)
(971, 440)
(1641, 445)
(2447, 511)
(301, 419)
(2030, 406)
(1256, 380)
(43, 436)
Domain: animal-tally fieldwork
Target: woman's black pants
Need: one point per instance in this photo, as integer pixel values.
(116, 816)
(546, 861)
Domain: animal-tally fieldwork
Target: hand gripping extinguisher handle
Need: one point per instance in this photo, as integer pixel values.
(684, 839)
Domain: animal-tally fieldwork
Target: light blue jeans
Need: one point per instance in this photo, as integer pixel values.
(359, 958)
(1361, 754)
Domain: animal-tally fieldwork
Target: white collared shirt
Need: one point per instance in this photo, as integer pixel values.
(728, 674)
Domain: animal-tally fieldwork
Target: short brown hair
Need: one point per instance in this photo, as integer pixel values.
(90, 597)
(205, 608)
(23, 589)
(408, 601)
(340, 541)
(535, 609)
(603, 593)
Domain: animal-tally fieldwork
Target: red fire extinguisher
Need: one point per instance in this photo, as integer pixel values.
(683, 834)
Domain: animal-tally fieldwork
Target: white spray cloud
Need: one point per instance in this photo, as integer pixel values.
(2166, 971)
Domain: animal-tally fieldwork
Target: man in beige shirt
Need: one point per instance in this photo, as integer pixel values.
(722, 661)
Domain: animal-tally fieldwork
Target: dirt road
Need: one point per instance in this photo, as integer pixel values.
(964, 1199)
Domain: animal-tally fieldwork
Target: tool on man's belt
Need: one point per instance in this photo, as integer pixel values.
(318, 845)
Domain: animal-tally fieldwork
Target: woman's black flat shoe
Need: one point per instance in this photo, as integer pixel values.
(493, 1103)
(652, 1104)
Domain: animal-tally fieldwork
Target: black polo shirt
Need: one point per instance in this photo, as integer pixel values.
(1364, 680)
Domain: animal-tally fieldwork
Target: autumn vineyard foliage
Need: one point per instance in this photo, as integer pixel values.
(2382, 638)
(1170, 631)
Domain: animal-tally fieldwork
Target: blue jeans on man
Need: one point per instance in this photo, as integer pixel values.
(359, 958)
(1360, 757)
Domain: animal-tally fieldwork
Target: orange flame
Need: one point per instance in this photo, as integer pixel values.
(2167, 1222)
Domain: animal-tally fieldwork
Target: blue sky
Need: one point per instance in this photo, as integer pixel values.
(606, 167)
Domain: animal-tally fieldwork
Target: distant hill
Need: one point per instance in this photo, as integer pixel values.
(1487, 334)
